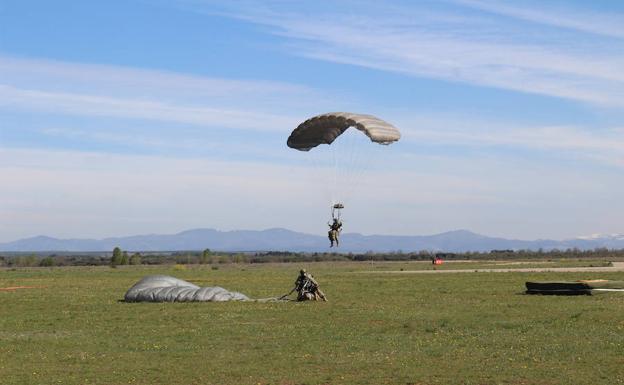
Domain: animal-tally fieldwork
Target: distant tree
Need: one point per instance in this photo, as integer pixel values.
(116, 259)
(135, 259)
(205, 256)
(124, 258)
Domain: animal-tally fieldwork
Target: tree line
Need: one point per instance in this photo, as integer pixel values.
(119, 257)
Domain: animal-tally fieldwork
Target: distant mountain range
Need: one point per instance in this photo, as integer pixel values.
(286, 240)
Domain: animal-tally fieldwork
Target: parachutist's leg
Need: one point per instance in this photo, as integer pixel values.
(306, 296)
(332, 237)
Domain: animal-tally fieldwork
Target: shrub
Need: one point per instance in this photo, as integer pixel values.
(47, 262)
(135, 259)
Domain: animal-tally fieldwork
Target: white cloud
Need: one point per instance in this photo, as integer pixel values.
(414, 43)
(109, 80)
(109, 91)
(582, 141)
(99, 106)
(121, 92)
(611, 25)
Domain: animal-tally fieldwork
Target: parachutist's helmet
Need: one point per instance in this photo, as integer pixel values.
(302, 271)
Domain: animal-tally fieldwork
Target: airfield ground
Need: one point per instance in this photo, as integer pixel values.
(70, 327)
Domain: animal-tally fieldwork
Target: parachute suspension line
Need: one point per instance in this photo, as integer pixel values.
(358, 143)
(335, 190)
(349, 163)
(327, 164)
(358, 154)
(345, 154)
(341, 153)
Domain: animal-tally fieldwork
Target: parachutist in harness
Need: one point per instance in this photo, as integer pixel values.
(335, 227)
(307, 288)
(334, 231)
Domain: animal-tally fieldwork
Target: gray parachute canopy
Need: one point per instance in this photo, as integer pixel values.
(163, 288)
(326, 128)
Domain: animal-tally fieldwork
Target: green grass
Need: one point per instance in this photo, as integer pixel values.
(474, 328)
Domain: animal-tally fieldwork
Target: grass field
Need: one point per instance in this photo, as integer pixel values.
(473, 328)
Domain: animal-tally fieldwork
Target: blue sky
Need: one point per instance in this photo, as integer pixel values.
(128, 117)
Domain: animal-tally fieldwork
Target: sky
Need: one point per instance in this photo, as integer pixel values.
(135, 117)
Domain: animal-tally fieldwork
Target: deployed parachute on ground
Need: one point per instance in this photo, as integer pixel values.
(341, 164)
(163, 288)
(583, 287)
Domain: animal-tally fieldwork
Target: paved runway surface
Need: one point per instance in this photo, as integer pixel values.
(617, 266)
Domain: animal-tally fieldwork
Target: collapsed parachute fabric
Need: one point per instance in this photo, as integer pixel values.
(325, 128)
(163, 288)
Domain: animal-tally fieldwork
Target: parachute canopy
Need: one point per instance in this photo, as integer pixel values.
(588, 287)
(326, 128)
(163, 288)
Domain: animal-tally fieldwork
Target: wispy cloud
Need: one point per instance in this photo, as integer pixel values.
(128, 93)
(109, 91)
(486, 133)
(461, 49)
(596, 146)
(111, 80)
(611, 25)
(95, 105)
(173, 142)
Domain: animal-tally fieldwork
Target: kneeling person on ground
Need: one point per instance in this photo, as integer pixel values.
(307, 288)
